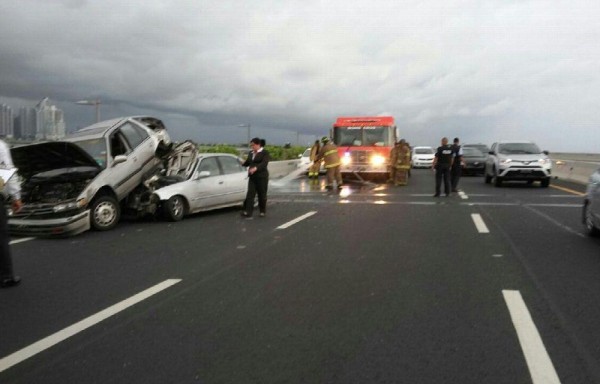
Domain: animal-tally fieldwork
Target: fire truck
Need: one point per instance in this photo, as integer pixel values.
(364, 145)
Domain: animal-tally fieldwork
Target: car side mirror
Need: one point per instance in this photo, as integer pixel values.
(300, 156)
(119, 159)
(546, 153)
(490, 152)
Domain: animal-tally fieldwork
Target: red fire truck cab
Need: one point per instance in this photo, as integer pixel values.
(364, 144)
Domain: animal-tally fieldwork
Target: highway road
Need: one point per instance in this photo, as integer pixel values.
(376, 284)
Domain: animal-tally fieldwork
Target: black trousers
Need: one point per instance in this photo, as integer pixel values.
(6, 267)
(455, 174)
(256, 186)
(442, 171)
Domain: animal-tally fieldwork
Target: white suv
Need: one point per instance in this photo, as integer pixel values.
(517, 160)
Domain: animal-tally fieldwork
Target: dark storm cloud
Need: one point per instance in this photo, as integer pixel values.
(488, 70)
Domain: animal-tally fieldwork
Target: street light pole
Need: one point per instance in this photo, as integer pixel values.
(95, 103)
(248, 132)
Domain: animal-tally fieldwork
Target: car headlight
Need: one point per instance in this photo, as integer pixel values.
(346, 158)
(505, 161)
(377, 160)
(544, 161)
(72, 205)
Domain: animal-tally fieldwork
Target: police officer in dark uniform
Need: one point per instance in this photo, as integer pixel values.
(442, 163)
(457, 165)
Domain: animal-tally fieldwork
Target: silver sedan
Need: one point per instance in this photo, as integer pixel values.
(214, 180)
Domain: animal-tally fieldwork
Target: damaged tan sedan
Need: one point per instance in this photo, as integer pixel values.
(87, 180)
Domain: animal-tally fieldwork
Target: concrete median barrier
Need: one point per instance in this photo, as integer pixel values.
(575, 167)
(279, 169)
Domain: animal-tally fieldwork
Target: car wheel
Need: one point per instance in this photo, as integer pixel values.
(105, 213)
(545, 182)
(588, 220)
(488, 178)
(174, 208)
(497, 179)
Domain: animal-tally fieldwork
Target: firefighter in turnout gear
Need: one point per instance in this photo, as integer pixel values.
(313, 170)
(402, 164)
(393, 160)
(329, 154)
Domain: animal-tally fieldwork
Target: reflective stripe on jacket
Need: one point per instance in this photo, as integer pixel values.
(329, 153)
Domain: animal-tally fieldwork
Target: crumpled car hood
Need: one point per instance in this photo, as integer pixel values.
(42, 157)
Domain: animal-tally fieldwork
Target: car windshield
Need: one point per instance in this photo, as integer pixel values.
(482, 147)
(424, 151)
(472, 152)
(95, 148)
(518, 149)
(362, 136)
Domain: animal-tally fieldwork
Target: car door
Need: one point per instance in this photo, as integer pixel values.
(143, 147)
(207, 185)
(119, 175)
(235, 180)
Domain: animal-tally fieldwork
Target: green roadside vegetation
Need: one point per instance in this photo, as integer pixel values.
(277, 153)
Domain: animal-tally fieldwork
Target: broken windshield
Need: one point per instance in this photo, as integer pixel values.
(95, 148)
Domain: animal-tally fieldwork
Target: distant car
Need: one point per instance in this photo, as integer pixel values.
(305, 161)
(422, 157)
(517, 161)
(591, 205)
(474, 161)
(73, 185)
(210, 181)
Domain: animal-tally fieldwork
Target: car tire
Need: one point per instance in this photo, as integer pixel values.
(497, 179)
(105, 213)
(174, 208)
(545, 183)
(590, 228)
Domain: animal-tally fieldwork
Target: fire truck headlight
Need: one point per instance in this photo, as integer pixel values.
(346, 158)
(377, 160)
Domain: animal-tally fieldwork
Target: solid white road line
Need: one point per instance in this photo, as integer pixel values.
(539, 363)
(290, 223)
(481, 227)
(39, 346)
(21, 240)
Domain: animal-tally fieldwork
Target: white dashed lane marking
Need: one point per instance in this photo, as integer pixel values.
(296, 220)
(481, 227)
(22, 240)
(538, 361)
(50, 341)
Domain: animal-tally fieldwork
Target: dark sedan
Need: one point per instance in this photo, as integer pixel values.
(474, 161)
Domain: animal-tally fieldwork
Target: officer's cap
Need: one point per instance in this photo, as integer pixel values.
(324, 139)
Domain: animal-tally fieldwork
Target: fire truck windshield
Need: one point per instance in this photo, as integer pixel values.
(362, 136)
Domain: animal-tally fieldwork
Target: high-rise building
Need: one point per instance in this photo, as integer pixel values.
(27, 122)
(7, 122)
(50, 121)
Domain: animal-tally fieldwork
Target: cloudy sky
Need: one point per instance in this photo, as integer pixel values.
(482, 70)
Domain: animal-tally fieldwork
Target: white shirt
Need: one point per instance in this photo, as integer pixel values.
(12, 187)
